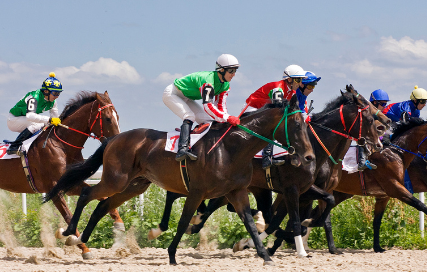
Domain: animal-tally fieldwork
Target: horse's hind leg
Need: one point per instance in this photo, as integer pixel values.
(380, 206)
(213, 205)
(240, 200)
(134, 189)
(62, 207)
(315, 192)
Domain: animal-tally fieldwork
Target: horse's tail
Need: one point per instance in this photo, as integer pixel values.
(78, 173)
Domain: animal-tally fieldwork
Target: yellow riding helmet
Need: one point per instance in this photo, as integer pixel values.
(418, 93)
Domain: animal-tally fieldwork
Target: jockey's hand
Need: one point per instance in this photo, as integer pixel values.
(233, 120)
(55, 121)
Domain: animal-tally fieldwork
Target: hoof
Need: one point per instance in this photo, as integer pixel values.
(307, 222)
(154, 233)
(335, 251)
(379, 250)
(269, 263)
(195, 220)
(58, 233)
(73, 240)
(87, 256)
(119, 226)
(241, 245)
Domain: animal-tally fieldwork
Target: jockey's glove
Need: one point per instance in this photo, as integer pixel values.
(55, 121)
(233, 120)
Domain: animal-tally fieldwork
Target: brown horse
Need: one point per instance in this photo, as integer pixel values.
(388, 179)
(58, 147)
(286, 177)
(225, 171)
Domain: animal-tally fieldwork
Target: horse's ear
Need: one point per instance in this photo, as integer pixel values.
(342, 93)
(293, 103)
(106, 94)
(100, 97)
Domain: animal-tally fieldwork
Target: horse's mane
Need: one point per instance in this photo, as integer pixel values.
(402, 127)
(347, 97)
(82, 98)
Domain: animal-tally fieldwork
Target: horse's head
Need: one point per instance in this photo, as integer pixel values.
(104, 120)
(385, 121)
(362, 125)
(292, 132)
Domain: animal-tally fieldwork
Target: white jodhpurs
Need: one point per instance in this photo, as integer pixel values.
(19, 123)
(184, 107)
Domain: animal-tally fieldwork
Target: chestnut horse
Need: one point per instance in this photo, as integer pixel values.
(286, 176)
(409, 140)
(58, 147)
(225, 171)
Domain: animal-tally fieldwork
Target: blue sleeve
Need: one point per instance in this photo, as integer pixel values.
(301, 99)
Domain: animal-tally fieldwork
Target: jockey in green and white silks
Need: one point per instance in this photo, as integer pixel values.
(25, 117)
(212, 88)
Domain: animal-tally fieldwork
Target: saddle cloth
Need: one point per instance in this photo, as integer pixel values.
(349, 163)
(25, 146)
(277, 152)
(173, 136)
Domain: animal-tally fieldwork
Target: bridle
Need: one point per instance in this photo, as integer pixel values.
(98, 116)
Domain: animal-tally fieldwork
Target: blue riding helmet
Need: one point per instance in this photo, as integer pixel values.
(310, 78)
(52, 83)
(379, 95)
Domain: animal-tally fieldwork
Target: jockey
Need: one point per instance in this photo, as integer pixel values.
(308, 85)
(212, 88)
(379, 99)
(409, 108)
(25, 117)
(285, 88)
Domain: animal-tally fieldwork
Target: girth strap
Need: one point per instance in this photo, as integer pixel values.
(268, 178)
(27, 171)
(184, 174)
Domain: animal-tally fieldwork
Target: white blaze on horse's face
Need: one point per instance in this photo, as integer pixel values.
(117, 120)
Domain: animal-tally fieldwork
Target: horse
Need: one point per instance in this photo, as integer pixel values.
(56, 148)
(409, 140)
(225, 171)
(285, 176)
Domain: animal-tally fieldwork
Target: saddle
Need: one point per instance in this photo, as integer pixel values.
(199, 129)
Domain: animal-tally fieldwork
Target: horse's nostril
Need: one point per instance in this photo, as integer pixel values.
(309, 158)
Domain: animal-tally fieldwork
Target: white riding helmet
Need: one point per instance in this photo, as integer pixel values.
(226, 61)
(294, 71)
(418, 93)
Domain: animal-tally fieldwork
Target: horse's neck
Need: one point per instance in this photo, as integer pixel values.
(410, 141)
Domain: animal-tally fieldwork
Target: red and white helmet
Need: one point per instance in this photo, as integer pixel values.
(226, 61)
(294, 71)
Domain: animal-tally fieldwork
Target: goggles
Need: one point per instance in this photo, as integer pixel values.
(55, 93)
(422, 101)
(310, 87)
(231, 70)
(297, 79)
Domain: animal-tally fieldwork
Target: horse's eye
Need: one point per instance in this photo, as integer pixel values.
(108, 119)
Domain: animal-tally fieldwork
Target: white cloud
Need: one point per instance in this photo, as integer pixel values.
(404, 50)
(166, 78)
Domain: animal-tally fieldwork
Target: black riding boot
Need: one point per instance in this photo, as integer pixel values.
(14, 147)
(362, 162)
(267, 157)
(184, 142)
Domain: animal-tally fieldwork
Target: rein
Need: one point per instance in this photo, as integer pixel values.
(98, 116)
(285, 114)
(359, 114)
(410, 152)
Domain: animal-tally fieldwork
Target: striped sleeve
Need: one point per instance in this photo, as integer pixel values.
(218, 110)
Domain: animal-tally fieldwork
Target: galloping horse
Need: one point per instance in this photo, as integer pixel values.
(287, 176)
(58, 147)
(225, 171)
(409, 140)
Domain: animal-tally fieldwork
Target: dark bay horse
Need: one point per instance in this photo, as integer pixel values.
(388, 179)
(134, 159)
(286, 177)
(88, 113)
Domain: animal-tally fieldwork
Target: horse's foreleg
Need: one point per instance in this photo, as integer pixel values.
(193, 201)
(164, 224)
(62, 207)
(316, 193)
(240, 200)
(213, 205)
(81, 203)
(380, 206)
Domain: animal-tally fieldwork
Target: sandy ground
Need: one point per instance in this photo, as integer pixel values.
(154, 259)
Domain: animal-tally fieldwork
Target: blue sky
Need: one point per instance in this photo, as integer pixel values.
(134, 49)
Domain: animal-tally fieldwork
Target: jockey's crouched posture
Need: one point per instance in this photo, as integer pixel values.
(212, 88)
(25, 116)
(294, 81)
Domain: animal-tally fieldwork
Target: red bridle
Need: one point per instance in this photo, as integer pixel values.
(98, 116)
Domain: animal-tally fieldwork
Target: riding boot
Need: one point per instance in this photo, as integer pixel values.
(267, 157)
(184, 142)
(363, 163)
(14, 147)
